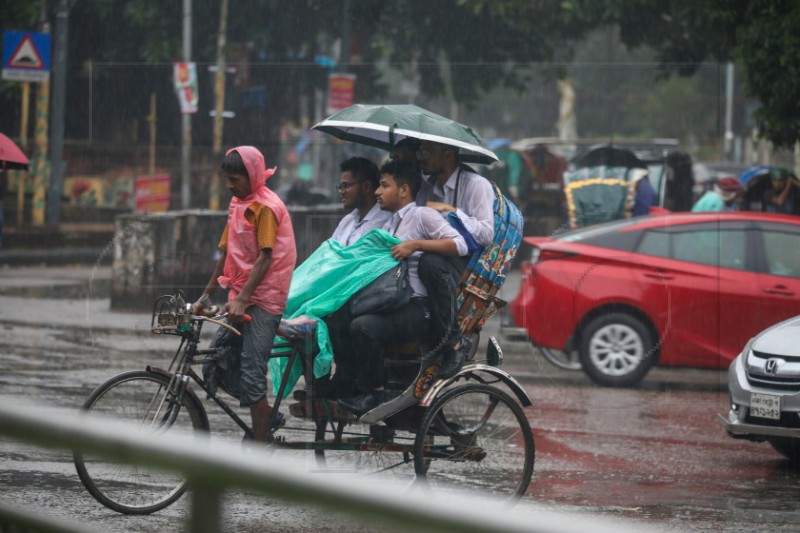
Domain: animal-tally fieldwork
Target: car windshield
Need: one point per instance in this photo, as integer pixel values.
(591, 232)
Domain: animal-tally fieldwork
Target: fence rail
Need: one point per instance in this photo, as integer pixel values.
(214, 467)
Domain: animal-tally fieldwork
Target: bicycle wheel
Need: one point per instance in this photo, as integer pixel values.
(136, 397)
(477, 437)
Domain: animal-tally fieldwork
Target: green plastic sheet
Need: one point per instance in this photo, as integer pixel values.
(323, 283)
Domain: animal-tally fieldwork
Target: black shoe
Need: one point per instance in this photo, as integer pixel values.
(279, 421)
(362, 403)
(454, 359)
(300, 395)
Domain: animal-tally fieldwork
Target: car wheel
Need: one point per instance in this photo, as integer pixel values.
(616, 350)
(789, 448)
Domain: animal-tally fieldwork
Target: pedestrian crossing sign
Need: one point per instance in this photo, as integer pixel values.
(26, 56)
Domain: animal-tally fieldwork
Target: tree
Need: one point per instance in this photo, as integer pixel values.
(761, 36)
(463, 48)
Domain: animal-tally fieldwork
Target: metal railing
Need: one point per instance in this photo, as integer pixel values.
(214, 467)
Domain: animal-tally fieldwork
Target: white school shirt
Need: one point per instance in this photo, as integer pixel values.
(413, 222)
(475, 199)
(350, 228)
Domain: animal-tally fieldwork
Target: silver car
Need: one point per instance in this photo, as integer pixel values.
(764, 383)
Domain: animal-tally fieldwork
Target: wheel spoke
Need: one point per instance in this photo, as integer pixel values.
(489, 445)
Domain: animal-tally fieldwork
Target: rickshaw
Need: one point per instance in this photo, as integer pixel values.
(601, 184)
(466, 431)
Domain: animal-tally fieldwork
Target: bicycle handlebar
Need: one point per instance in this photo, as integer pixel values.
(212, 314)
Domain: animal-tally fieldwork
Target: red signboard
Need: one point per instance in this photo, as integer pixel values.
(152, 193)
(340, 91)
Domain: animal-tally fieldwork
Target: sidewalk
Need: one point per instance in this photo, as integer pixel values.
(64, 296)
(86, 255)
(70, 243)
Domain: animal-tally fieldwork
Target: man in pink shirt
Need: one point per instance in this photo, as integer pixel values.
(258, 258)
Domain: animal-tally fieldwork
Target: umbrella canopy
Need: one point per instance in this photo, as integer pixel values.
(747, 176)
(11, 157)
(608, 156)
(383, 126)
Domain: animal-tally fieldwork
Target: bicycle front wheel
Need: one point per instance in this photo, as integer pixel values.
(139, 397)
(476, 437)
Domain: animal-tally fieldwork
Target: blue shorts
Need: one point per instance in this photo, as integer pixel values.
(257, 336)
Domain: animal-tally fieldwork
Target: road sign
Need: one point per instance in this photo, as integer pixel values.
(26, 56)
(185, 77)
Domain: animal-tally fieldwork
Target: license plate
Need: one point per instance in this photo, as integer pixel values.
(765, 406)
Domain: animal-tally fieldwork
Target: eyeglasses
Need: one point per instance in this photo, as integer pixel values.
(345, 186)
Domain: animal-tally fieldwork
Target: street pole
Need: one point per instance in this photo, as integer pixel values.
(151, 119)
(41, 135)
(26, 98)
(186, 118)
(53, 208)
(728, 142)
(219, 100)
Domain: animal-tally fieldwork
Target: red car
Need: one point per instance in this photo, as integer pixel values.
(683, 289)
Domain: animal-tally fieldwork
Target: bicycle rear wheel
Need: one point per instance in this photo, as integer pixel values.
(476, 437)
(137, 397)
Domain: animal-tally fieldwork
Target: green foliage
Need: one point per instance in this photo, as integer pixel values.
(462, 48)
(768, 49)
(761, 36)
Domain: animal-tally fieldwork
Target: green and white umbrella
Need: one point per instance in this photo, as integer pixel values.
(383, 126)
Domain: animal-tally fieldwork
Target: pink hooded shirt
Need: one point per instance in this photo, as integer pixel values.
(242, 248)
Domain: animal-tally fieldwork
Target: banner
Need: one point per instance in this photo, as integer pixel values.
(152, 193)
(340, 91)
(185, 75)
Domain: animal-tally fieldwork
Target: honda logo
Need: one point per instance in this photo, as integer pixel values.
(772, 365)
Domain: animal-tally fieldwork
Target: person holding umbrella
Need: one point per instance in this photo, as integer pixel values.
(465, 198)
(11, 158)
(782, 195)
(456, 189)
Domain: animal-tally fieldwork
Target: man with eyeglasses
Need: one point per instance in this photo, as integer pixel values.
(357, 183)
(455, 188)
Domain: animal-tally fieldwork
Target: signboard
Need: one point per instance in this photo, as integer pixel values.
(185, 75)
(340, 91)
(152, 193)
(26, 56)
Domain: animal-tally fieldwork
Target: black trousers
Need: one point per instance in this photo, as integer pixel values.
(359, 344)
(370, 335)
(441, 275)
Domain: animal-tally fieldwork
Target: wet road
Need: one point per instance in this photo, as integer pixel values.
(653, 456)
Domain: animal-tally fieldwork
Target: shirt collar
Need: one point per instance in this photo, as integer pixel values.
(404, 211)
(372, 213)
(449, 184)
(451, 181)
